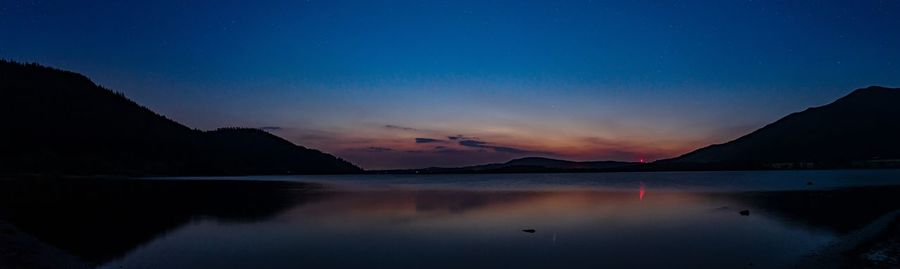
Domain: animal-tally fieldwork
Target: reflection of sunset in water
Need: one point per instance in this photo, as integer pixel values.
(642, 191)
(573, 222)
(449, 209)
(578, 221)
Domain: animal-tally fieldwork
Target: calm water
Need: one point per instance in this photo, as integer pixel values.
(617, 220)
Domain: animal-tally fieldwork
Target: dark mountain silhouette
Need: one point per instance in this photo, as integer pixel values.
(861, 129)
(60, 122)
(525, 165)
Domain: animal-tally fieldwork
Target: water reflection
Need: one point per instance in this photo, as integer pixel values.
(285, 227)
(99, 220)
(642, 191)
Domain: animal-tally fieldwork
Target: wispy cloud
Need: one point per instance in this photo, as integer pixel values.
(402, 128)
(378, 149)
(422, 140)
(486, 145)
(461, 137)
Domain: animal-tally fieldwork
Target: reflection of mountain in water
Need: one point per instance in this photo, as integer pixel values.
(839, 211)
(101, 219)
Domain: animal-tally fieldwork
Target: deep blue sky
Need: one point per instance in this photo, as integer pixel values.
(581, 80)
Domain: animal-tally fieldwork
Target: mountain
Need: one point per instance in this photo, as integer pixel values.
(524, 165)
(860, 129)
(60, 122)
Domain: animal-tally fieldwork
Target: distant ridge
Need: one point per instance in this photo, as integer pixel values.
(524, 165)
(60, 122)
(563, 164)
(861, 129)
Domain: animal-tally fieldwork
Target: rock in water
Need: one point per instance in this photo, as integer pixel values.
(745, 212)
(531, 231)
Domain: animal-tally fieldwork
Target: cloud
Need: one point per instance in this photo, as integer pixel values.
(461, 137)
(486, 145)
(401, 128)
(445, 151)
(271, 128)
(473, 143)
(378, 149)
(421, 140)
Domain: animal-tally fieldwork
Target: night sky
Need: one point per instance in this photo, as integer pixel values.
(404, 84)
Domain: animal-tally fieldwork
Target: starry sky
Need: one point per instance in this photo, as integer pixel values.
(408, 84)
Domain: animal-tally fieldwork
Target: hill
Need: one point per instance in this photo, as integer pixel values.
(61, 122)
(860, 129)
(524, 165)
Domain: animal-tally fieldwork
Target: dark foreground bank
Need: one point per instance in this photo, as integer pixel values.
(55, 222)
(880, 251)
(880, 248)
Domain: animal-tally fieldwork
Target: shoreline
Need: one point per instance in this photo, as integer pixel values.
(21, 250)
(854, 249)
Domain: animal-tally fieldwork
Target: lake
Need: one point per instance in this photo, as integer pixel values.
(591, 220)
